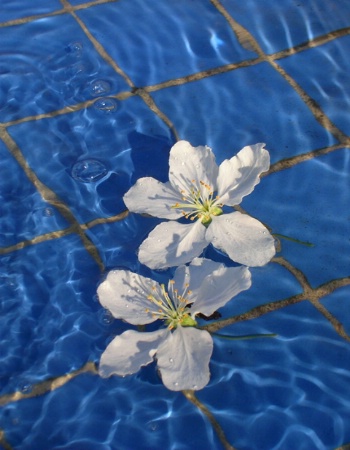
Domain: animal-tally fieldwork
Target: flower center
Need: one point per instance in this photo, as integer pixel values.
(172, 307)
(199, 203)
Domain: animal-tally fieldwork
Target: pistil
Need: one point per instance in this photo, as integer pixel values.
(202, 205)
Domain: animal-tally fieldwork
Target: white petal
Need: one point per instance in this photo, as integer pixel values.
(171, 244)
(243, 238)
(129, 351)
(238, 175)
(191, 165)
(183, 359)
(150, 196)
(124, 294)
(212, 284)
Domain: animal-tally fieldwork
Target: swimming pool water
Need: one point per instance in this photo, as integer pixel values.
(92, 97)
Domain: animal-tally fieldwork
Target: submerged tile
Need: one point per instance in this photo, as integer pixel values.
(309, 203)
(23, 212)
(159, 41)
(17, 9)
(323, 72)
(241, 107)
(43, 69)
(49, 315)
(90, 158)
(278, 26)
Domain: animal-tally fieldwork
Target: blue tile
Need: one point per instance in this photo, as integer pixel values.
(43, 69)
(49, 314)
(323, 72)
(277, 26)
(23, 213)
(122, 141)
(242, 107)
(154, 43)
(16, 9)
(310, 203)
(116, 414)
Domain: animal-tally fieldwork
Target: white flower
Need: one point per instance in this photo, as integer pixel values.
(198, 189)
(182, 351)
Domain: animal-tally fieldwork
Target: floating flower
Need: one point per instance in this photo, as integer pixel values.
(197, 190)
(182, 351)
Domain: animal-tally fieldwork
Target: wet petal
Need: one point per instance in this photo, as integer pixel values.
(183, 359)
(124, 294)
(211, 284)
(129, 351)
(243, 238)
(171, 244)
(191, 165)
(150, 196)
(238, 175)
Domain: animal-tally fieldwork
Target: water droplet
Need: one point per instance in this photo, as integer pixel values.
(106, 105)
(159, 240)
(99, 87)
(26, 388)
(127, 306)
(48, 212)
(197, 166)
(194, 386)
(176, 383)
(171, 360)
(183, 163)
(129, 290)
(88, 170)
(75, 48)
(107, 317)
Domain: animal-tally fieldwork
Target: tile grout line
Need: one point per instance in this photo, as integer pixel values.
(313, 295)
(3, 441)
(190, 395)
(61, 233)
(50, 196)
(48, 385)
(28, 19)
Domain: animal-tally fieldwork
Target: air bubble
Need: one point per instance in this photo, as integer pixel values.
(176, 383)
(99, 87)
(183, 163)
(75, 48)
(194, 386)
(106, 105)
(171, 360)
(127, 306)
(88, 170)
(159, 240)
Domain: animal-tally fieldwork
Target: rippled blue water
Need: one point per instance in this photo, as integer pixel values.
(287, 393)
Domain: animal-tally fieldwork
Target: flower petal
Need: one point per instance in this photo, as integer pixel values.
(212, 284)
(183, 359)
(172, 243)
(129, 351)
(238, 175)
(124, 294)
(243, 238)
(150, 196)
(191, 165)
